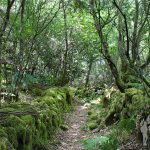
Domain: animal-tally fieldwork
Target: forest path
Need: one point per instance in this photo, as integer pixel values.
(71, 139)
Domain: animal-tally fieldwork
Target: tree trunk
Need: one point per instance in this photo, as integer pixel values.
(88, 74)
(64, 68)
(99, 25)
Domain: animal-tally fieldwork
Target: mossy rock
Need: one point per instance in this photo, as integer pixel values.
(91, 111)
(30, 126)
(28, 119)
(117, 100)
(93, 116)
(126, 105)
(2, 132)
(12, 136)
(5, 144)
(36, 92)
(64, 127)
(114, 109)
(92, 125)
(51, 92)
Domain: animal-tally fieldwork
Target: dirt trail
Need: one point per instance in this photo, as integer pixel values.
(71, 139)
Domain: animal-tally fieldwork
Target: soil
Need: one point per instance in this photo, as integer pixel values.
(72, 138)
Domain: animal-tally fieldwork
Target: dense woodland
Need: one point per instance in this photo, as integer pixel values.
(53, 52)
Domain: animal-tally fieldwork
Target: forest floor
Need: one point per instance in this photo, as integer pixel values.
(72, 138)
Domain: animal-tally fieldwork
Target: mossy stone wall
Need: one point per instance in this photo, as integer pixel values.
(26, 126)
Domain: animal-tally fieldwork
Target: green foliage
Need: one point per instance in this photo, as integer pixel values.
(87, 93)
(84, 127)
(127, 124)
(28, 80)
(91, 144)
(101, 142)
(110, 141)
(1, 78)
(93, 116)
(92, 125)
(110, 144)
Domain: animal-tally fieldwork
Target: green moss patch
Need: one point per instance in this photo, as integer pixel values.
(64, 127)
(126, 105)
(92, 125)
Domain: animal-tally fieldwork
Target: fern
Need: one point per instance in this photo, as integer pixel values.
(93, 143)
(110, 144)
(28, 80)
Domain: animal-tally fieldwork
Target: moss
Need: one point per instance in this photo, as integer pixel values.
(93, 116)
(12, 136)
(32, 125)
(9, 109)
(116, 105)
(125, 105)
(2, 132)
(105, 102)
(92, 125)
(40, 137)
(120, 83)
(132, 78)
(133, 91)
(28, 119)
(90, 111)
(19, 105)
(117, 101)
(51, 92)
(4, 143)
(134, 85)
(36, 91)
(3, 140)
(43, 132)
(138, 103)
(28, 139)
(64, 127)
(54, 119)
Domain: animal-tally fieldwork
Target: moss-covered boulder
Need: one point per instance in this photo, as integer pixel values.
(126, 105)
(91, 111)
(26, 126)
(92, 125)
(64, 127)
(93, 116)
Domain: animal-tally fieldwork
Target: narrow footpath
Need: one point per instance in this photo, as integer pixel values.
(71, 139)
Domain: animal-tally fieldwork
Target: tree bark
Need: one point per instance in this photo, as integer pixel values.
(64, 68)
(88, 74)
(105, 48)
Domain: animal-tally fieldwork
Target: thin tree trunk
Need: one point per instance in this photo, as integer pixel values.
(64, 69)
(88, 74)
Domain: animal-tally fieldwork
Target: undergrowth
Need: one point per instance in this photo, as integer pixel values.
(111, 140)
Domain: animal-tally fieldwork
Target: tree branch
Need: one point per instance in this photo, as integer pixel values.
(126, 27)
